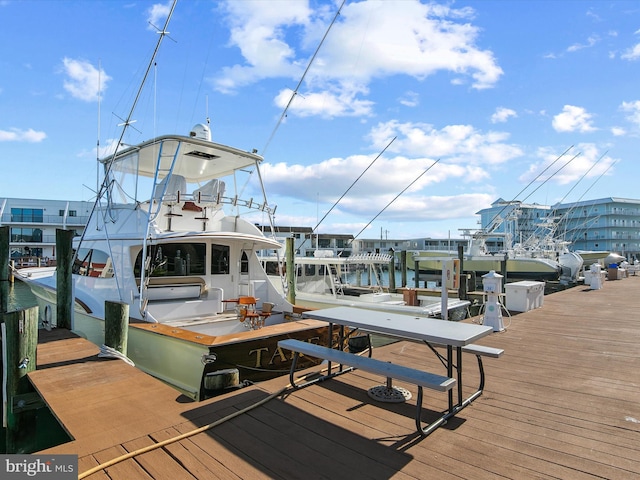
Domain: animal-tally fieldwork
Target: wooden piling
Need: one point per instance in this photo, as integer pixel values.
(4, 269)
(403, 268)
(290, 270)
(64, 280)
(392, 273)
(20, 341)
(463, 286)
(116, 325)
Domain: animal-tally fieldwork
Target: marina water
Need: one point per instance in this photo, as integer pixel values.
(20, 296)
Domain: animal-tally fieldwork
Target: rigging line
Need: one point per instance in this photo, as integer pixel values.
(590, 187)
(576, 184)
(554, 173)
(106, 182)
(396, 197)
(550, 177)
(582, 177)
(295, 92)
(350, 187)
(497, 215)
(151, 64)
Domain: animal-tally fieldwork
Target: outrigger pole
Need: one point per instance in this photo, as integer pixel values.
(106, 182)
(394, 199)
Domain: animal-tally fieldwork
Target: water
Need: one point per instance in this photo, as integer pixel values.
(20, 296)
(384, 279)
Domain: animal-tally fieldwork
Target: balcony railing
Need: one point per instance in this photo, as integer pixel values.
(8, 218)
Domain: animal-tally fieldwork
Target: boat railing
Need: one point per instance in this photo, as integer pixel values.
(369, 257)
(215, 201)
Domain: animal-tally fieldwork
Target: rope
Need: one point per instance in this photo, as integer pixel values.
(178, 438)
(108, 352)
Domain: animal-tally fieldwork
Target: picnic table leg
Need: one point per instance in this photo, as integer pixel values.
(481, 386)
(424, 431)
(450, 373)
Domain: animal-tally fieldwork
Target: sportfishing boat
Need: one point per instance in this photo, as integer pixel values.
(521, 263)
(200, 302)
(322, 281)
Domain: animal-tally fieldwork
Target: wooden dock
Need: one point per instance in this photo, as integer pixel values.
(563, 402)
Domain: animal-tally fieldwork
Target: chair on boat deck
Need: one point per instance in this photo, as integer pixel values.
(265, 312)
(247, 311)
(248, 314)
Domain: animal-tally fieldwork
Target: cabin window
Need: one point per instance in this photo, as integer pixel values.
(91, 262)
(219, 260)
(244, 263)
(174, 259)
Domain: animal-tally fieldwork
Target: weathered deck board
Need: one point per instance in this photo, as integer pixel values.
(561, 403)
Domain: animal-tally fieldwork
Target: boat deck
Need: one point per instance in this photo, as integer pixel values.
(561, 403)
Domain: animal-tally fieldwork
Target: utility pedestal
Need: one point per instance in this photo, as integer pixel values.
(492, 286)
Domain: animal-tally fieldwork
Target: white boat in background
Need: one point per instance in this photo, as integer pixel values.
(180, 262)
(321, 282)
(520, 263)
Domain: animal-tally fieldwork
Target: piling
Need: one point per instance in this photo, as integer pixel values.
(290, 270)
(64, 280)
(116, 325)
(463, 284)
(20, 341)
(4, 269)
(403, 268)
(392, 273)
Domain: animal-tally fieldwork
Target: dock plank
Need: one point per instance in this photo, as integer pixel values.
(560, 403)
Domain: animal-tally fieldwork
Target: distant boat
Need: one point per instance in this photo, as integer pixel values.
(594, 256)
(320, 282)
(182, 264)
(520, 264)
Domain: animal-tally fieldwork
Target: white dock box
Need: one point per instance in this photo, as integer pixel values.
(524, 296)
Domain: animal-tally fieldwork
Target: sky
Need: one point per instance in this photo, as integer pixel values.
(394, 119)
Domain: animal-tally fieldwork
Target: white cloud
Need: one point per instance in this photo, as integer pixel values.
(591, 41)
(378, 187)
(410, 38)
(502, 114)
(18, 135)
(633, 110)
(158, 13)
(573, 119)
(632, 53)
(618, 131)
(410, 99)
(84, 81)
(327, 103)
(584, 161)
(455, 143)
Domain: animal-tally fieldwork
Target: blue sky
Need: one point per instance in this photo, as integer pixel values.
(494, 91)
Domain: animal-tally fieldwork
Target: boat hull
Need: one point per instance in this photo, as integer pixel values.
(520, 268)
(182, 358)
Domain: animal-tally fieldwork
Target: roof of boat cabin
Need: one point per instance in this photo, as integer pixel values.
(197, 160)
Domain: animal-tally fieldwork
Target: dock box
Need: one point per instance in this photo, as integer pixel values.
(524, 296)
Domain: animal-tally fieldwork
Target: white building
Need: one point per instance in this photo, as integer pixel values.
(33, 224)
